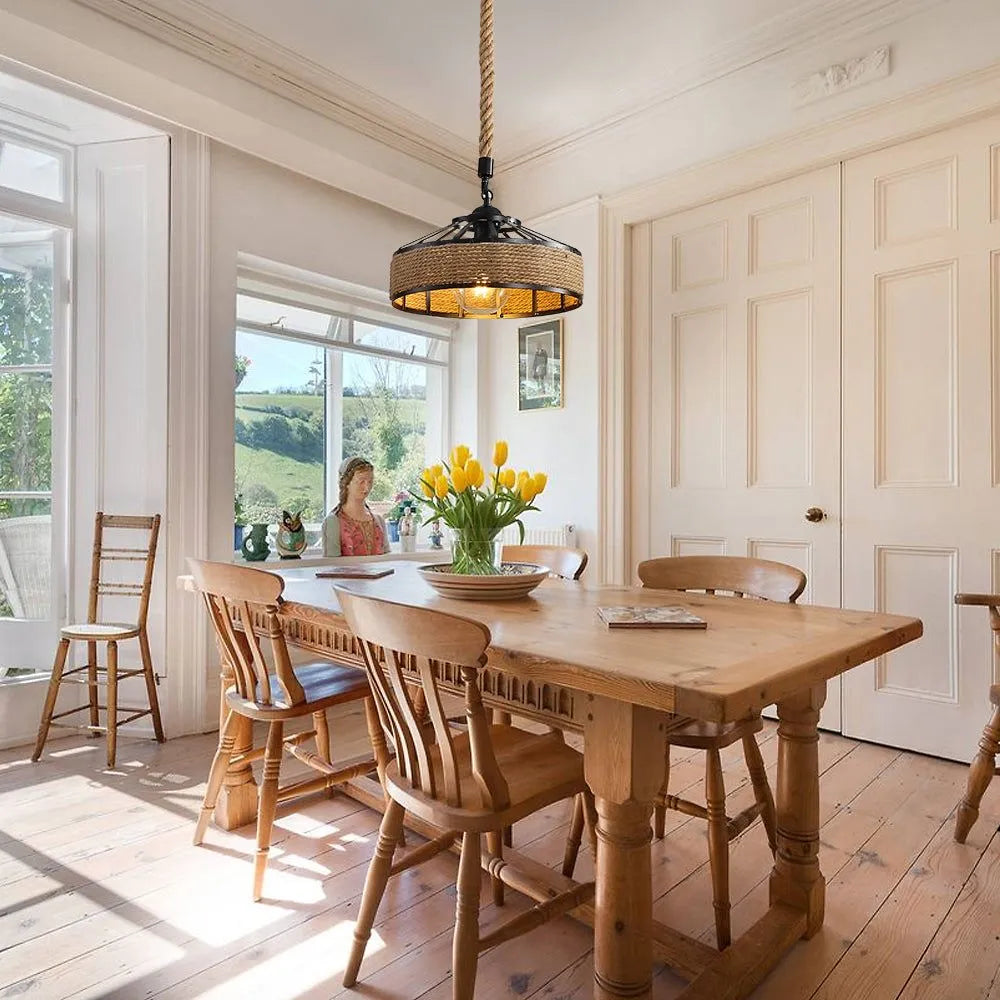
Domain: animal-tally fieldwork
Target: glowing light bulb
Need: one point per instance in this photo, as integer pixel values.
(481, 301)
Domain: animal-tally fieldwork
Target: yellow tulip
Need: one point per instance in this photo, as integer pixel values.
(459, 479)
(540, 480)
(527, 489)
(474, 473)
(522, 475)
(460, 455)
(441, 487)
(427, 483)
(435, 471)
(508, 477)
(499, 453)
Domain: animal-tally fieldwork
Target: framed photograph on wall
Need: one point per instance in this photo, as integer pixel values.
(540, 365)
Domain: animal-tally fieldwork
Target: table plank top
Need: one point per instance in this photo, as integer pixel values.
(751, 654)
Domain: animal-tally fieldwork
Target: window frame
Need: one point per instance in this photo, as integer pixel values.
(26, 634)
(349, 304)
(56, 210)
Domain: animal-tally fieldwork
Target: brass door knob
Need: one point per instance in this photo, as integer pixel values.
(815, 514)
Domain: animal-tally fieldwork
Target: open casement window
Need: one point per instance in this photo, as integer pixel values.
(32, 418)
(321, 377)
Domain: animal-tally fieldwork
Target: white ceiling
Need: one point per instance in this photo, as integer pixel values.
(563, 67)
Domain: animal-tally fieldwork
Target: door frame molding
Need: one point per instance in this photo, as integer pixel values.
(624, 281)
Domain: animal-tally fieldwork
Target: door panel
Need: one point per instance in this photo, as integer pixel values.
(743, 390)
(920, 449)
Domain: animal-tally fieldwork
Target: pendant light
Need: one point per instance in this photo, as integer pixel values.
(486, 265)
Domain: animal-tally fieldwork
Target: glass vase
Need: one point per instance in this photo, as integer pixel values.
(474, 555)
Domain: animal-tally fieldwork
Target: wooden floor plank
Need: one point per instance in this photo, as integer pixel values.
(885, 953)
(855, 893)
(110, 901)
(966, 947)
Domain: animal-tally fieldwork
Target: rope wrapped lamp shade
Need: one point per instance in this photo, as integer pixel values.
(486, 265)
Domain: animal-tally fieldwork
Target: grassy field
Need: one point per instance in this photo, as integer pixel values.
(253, 406)
(287, 477)
(296, 483)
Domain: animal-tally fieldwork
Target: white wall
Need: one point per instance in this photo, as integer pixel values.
(72, 42)
(752, 105)
(264, 210)
(562, 442)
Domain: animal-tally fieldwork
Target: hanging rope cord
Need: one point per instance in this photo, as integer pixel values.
(486, 78)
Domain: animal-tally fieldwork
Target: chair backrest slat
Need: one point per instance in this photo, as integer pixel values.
(243, 604)
(389, 713)
(391, 635)
(101, 587)
(763, 579)
(442, 731)
(418, 744)
(562, 560)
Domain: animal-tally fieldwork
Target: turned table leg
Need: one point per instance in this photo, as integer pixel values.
(237, 803)
(796, 879)
(623, 760)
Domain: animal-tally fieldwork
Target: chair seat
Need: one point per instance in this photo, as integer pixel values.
(698, 735)
(100, 631)
(540, 769)
(323, 683)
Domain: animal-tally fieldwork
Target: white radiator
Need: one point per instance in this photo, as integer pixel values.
(564, 534)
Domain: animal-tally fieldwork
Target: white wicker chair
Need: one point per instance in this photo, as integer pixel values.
(26, 564)
(25, 567)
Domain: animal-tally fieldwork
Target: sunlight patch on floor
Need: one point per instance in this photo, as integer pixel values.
(307, 965)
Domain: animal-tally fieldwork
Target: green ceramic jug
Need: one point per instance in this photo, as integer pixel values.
(255, 547)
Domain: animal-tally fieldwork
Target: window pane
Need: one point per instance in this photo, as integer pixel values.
(26, 541)
(30, 170)
(393, 340)
(282, 317)
(26, 432)
(25, 300)
(385, 419)
(280, 427)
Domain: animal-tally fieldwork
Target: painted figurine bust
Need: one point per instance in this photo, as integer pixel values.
(352, 528)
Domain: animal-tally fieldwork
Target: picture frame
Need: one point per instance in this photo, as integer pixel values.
(540, 368)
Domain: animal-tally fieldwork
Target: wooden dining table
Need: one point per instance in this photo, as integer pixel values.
(552, 659)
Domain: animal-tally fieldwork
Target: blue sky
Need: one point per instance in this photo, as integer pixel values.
(280, 363)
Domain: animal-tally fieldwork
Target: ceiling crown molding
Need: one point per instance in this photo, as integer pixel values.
(192, 28)
(200, 32)
(805, 25)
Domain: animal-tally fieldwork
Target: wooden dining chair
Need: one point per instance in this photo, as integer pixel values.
(241, 602)
(984, 764)
(467, 784)
(567, 563)
(741, 577)
(109, 577)
(562, 560)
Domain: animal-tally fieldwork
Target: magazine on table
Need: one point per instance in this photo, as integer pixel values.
(356, 572)
(655, 617)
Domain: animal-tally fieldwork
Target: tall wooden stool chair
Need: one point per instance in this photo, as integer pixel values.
(241, 602)
(105, 583)
(740, 577)
(983, 766)
(465, 784)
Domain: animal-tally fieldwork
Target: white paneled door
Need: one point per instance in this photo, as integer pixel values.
(744, 393)
(922, 428)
